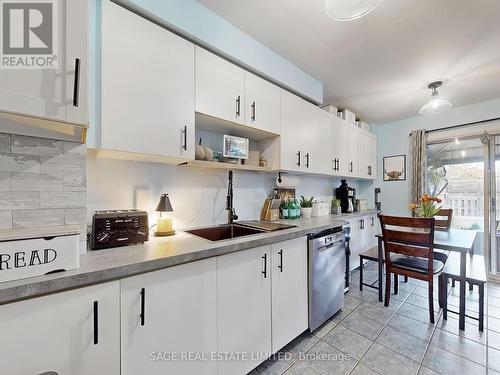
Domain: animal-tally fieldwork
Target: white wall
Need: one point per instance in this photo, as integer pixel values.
(198, 196)
(392, 139)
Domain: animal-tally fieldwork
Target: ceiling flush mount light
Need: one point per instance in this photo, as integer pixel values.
(349, 10)
(436, 104)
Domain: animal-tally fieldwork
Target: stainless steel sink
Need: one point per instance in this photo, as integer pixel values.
(224, 232)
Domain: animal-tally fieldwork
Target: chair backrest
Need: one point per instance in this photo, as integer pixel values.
(443, 219)
(408, 236)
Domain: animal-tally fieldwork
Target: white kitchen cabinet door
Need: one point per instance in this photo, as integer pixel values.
(219, 87)
(353, 166)
(262, 104)
(173, 310)
(61, 93)
(364, 233)
(289, 291)
(354, 243)
(372, 156)
(294, 133)
(147, 87)
(363, 150)
(373, 225)
(340, 147)
(75, 332)
(244, 308)
(323, 147)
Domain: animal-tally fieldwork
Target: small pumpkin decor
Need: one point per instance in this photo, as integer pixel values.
(427, 207)
(306, 206)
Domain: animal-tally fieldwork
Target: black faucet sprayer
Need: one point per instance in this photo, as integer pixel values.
(231, 214)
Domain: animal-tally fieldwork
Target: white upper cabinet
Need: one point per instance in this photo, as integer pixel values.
(244, 308)
(293, 132)
(147, 87)
(323, 148)
(170, 310)
(372, 156)
(59, 94)
(75, 332)
(289, 291)
(340, 147)
(352, 160)
(220, 87)
(262, 104)
(367, 149)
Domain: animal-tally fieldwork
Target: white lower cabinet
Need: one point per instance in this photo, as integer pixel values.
(354, 225)
(75, 332)
(289, 291)
(244, 315)
(167, 313)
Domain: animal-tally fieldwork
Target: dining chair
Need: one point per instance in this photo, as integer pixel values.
(409, 251)
(443, 219)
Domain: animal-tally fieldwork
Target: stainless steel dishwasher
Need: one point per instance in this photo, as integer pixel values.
(327, 274)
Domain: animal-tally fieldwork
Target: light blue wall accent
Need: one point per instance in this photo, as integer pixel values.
(393, 139)
(197, 21)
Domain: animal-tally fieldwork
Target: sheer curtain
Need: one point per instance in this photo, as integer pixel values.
(418, 150)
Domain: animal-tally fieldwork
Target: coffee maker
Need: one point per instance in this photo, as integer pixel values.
(347, 196)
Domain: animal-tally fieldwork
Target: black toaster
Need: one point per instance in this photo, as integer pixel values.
(111, 228)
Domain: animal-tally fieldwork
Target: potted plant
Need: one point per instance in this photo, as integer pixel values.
(336, 209)
(306, 206)
(428, 206)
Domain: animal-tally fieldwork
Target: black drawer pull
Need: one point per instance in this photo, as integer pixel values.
(76, 84)
(298, 159)
(143, 306)
(264, 272)
(184, 132)
(307, 160)
(280, 267)
(253, 111)
(238, 105)
(96, 323)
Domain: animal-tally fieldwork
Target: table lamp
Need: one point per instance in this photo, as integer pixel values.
(164, 224)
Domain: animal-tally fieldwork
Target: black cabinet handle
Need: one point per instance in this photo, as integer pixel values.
(264, 272)
(253, 111)
(76, 84)
(238, 105)
(360, 224)
(373, 221)
(143, 306)
(96, 323)
(298, 158)
(185, 132)
(369, 170)
(337, 164)
(351, 167)
(307, 160)
(280, 267)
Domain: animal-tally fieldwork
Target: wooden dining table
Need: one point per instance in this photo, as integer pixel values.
(459, 240)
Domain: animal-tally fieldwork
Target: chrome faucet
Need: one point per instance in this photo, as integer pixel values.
(231, 213)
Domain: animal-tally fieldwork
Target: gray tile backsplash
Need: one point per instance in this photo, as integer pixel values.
(43, 182)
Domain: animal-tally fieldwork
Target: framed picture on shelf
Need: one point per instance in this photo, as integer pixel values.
(395, 168)
(235, 147)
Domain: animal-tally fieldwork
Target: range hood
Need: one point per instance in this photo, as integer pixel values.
(16, 123)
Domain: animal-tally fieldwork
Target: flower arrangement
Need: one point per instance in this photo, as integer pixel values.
(428, 206)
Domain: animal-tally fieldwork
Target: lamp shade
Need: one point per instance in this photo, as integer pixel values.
(164, 205)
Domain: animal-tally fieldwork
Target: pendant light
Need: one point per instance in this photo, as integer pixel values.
(436, 104)
(349, 10)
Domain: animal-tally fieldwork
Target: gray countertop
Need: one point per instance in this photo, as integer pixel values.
(159, 252)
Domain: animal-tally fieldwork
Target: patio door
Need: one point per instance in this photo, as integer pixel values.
(464, 171)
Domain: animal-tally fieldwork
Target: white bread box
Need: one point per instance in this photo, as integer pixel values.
(38, 251)
(320, 209)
